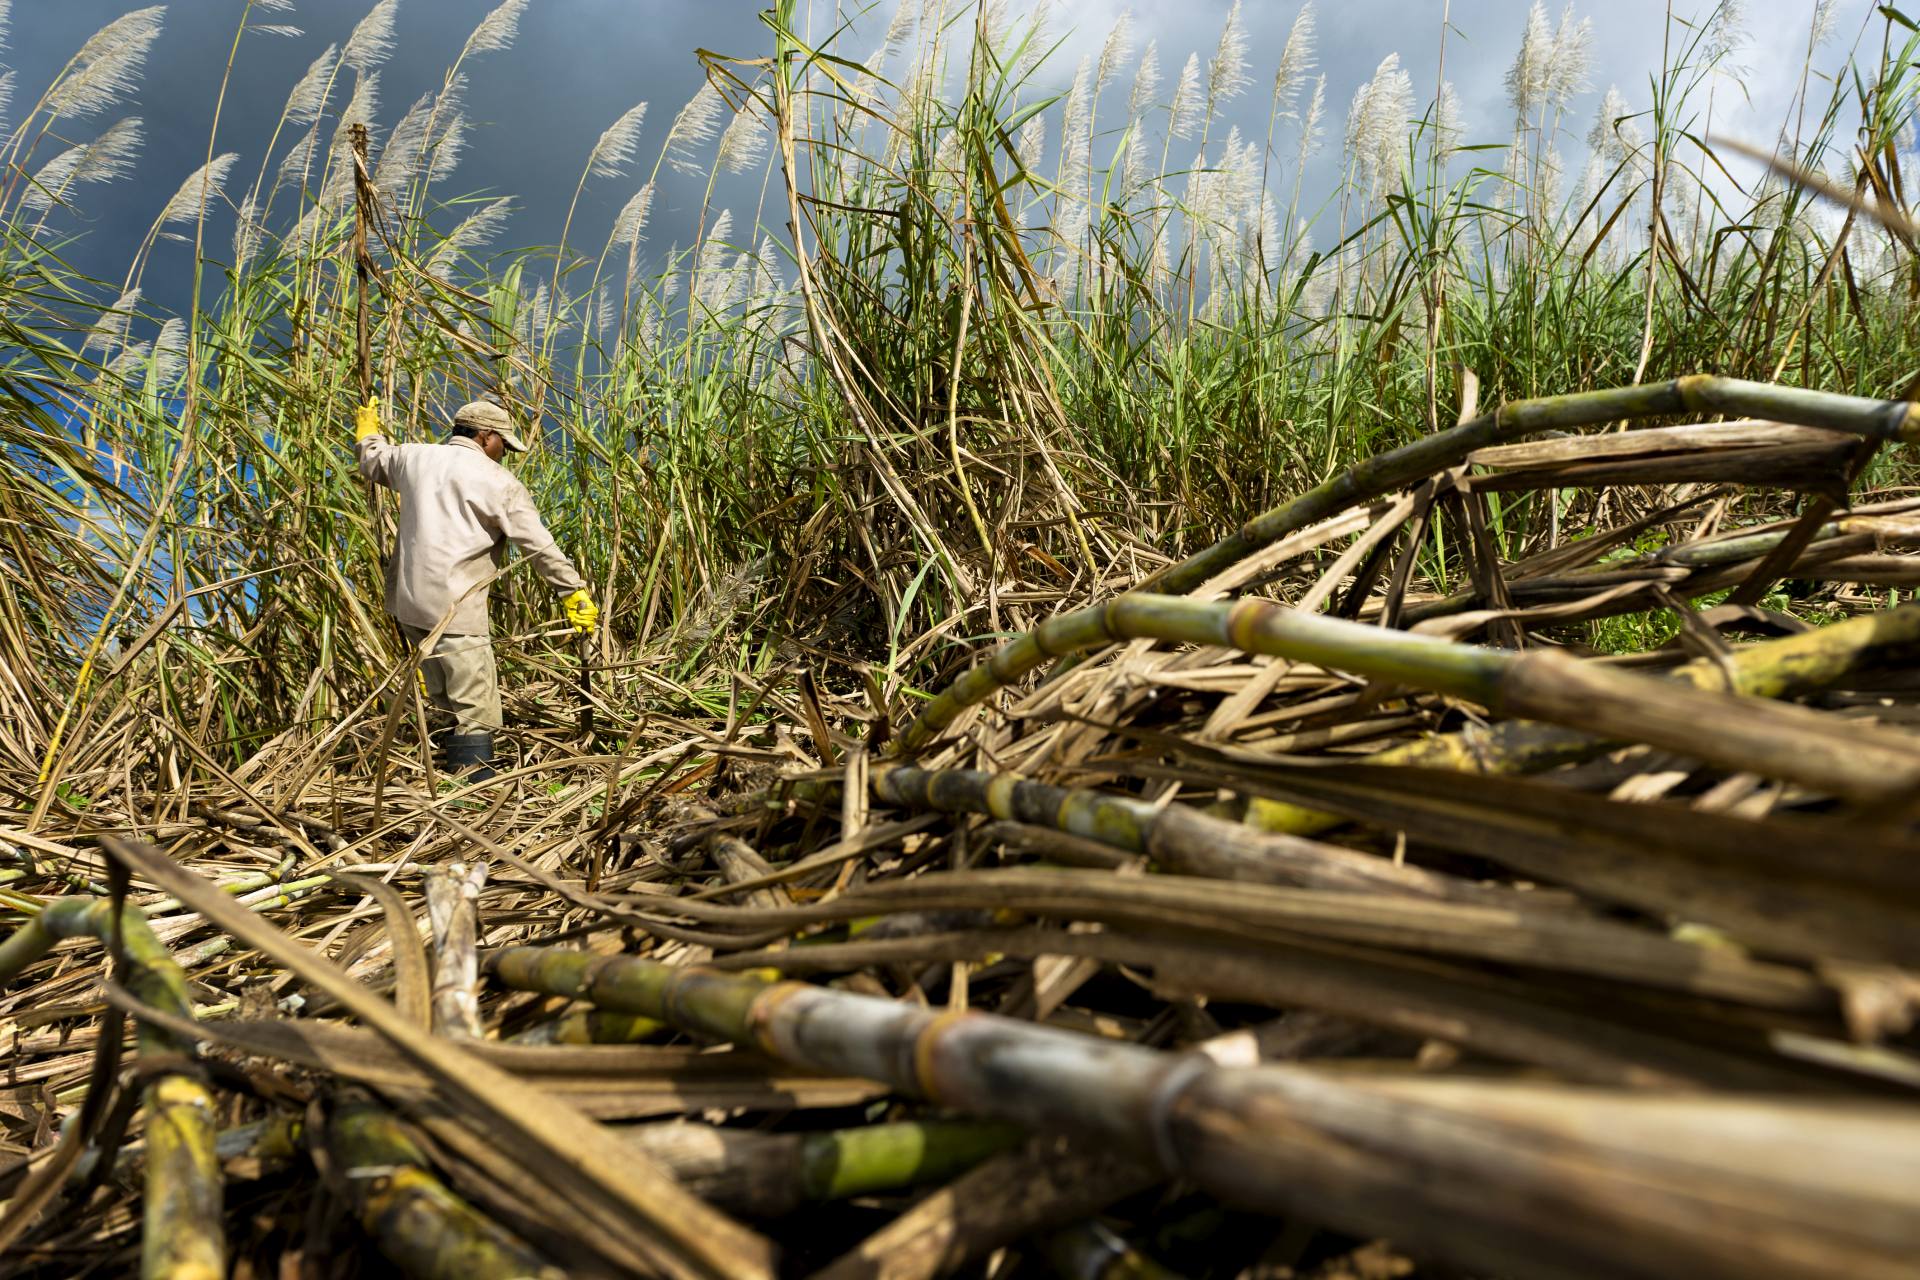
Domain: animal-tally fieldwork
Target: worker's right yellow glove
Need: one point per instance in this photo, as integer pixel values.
(582, 612)
(366, 421)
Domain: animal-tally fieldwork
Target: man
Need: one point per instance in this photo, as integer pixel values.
(458, 510)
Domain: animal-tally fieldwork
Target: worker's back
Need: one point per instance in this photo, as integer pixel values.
(458, 509)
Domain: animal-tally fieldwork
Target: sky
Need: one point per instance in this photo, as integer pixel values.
(577, 65)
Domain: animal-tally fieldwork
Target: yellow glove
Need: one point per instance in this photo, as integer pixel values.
(366, 421)
(582, 612)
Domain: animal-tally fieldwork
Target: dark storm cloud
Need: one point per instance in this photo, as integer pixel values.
(578, 64)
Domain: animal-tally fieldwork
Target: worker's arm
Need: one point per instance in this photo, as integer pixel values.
(377, 454)
(520, 523)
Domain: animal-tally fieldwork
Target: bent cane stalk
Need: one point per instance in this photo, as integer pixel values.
(770, 1174)
(182, 1233)
(1176, 838)
(1886, 420)
(1460, 1168)
(1775, 669)
(421, 1226)
(1889, 420)
(1787, 742)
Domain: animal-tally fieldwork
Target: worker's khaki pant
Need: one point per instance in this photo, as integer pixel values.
(461, 680)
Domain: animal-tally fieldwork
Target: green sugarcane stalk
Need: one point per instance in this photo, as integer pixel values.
(423, 1228)
(1792, 743)
(1174, 837)
(1782, 668)
(1460, 1168)
(1892, 420)
(182, 1235)
(772, 1174)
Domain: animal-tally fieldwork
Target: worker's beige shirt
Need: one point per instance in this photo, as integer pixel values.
(458, 510)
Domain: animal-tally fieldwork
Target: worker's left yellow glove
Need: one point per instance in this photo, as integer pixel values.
(582, 612)
(366, 421)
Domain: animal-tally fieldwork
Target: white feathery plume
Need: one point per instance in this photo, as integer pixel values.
(474, 231)
(108, 66)
(1183, 113)
(1527, 77)
(277, 29)
(1113, 51)
(299, 158)
(1825, 18)
(1448, 125)
(1035, 49)
(202, 187)
(1726, 29)
(6, 92)
(274, 6)
(1377, 121)
(617, 144)
(1146, 81)
(922, 93)
(1312, 124)
(531, 316)
(915, 112)
(427, 142)
(1076, 136)
(1614, 137)
(361, 108)
(993, 23)
(448, 141)
(170, 352)
(1227, 72)
(309, 96)
(1269, 249)
(1583, 191)
(107, 158)
(497, 30)
(629, 227)
(763, 288)
(1030, 144)
(697, 124)
(1199, 189)
(246, 234)
(651, 325)
(1071, 216)
(405, 153)
(743, 145)
(1513, 194)
(132, 358)
(371, 42)
(1296, 61)
(713, 283)
(899, 27)
(1569, 60)
(1552, 169)
(110, 330)
(605, 313)
(6, 20)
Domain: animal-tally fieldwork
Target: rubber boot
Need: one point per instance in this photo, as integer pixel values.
(471, 752)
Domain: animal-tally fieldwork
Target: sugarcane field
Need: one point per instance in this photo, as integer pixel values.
(889, 639)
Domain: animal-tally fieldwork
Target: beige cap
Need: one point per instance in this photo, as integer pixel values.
(485, 415)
